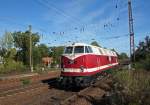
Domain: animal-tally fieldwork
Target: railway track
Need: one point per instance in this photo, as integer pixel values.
(23, 89)
(83, 92)
(47, 93)
(65, 97)
(20, 89)
(24, 94)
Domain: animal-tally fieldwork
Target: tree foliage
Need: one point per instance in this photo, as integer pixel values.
(94, 43)
(142, 53)
(123, 56)
(6, 41)
(8, 54)
(56, 53)
(22, 43)
(39, 52)
(2, 52)
(6, 47)
(15, 48)
(143, 49)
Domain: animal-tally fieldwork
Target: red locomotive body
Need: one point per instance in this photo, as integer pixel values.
(80, 63)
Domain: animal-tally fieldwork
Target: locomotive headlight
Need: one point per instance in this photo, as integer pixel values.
(82, 68)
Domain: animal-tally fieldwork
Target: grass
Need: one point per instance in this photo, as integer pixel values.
(25, 81)
(12, 67)
(136, 86)
(43, 70)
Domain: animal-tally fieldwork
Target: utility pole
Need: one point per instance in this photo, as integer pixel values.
(131, 31)
(30, 33)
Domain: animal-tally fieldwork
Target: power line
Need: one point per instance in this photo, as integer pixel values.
(116, 37)
(12, 20)
(58, 11)
(20, 24)
(49, 5)
(45, 3)
(73, 17)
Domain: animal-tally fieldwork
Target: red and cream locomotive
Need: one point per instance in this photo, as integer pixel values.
(81, 63)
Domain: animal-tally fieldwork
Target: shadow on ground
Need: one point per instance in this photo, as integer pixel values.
(54, 83)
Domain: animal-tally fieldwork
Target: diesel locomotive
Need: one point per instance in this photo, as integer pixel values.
(82, 63)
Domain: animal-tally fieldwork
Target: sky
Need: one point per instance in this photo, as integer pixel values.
(60, 22)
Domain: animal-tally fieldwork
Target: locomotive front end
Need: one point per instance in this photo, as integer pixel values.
(73, 64)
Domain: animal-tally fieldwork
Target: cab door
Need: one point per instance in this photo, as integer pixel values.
(91, 59)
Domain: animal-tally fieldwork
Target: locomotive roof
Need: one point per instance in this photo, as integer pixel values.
(79, 44)
(84, 44)
(104, 50)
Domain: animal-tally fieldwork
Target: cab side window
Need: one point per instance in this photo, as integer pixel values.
(88, 49)
(100, 51)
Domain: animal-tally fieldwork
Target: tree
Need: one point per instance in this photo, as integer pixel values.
(6, 41)
(39, 52)
(143, 49)
(94, 43)
(142, 53)
(44, 50)
(2, 52)
(21, 42)
(123, 56)
(56, 53)
(6, 44)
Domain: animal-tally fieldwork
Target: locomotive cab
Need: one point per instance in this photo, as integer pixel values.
(74, 59)
(73, 63)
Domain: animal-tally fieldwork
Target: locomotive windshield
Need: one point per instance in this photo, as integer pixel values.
(74, 49)
(79, 49)
(68, 50)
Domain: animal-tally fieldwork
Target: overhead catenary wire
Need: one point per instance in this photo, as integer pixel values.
(49, 5)
(76, 29)
(12, 20)
(62, 13)
(69, 15)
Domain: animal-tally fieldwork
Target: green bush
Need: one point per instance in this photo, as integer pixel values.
(43, 69)
(1, 67)
(25, 81)
(143, 64)
(11, 66)
(147, 63)
(39, 69)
